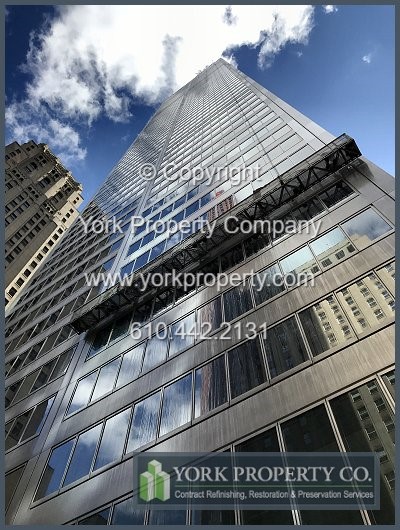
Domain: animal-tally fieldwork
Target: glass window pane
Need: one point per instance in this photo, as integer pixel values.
(82, 393)
(54, 471)
(255, 243)
(17, 428)
(325, 325)
(301, 261)
(24, 389)
(332, 247)
(106, 379)
(232, 257)
(121, 327)
(390, 380)
(100, 340)
(44, 375)
(388, 275)
(246, 367)
(171, 517)
(307, 210)
(11, 482)
(312, 431)
(210, 386)
(126, 512)
(113, 439)
(336, 193)
(366, 423)
(210, 317)
(62, 364)
(262, 443)
(285, 347)
(38, 418)
(367, 302)
(237, 301)
(83, 455)
(182, 335)
(156, 351)
(144, 422)
(267, 284)
(365, 227)
(100, 518)
(130, 366)
(216, 517)
(177, 405)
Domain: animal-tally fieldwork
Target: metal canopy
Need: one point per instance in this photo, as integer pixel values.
(188, 254)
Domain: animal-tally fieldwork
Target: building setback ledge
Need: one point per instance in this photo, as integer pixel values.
(188, 254)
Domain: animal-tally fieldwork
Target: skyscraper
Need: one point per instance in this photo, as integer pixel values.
(42, 200)
(97, 373)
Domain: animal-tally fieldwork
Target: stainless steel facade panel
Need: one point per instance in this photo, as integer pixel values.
(316, 380)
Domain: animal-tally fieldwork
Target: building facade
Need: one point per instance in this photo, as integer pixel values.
(41, 202)
(289, 366)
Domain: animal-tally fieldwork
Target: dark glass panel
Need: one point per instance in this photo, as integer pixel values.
(285, 347)
(246, 367)
(210, 386)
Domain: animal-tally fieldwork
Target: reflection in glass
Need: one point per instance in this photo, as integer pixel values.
(307, 210)
(176, 410)
(121, 327)
(100, 340)
(54, 471)
(335, 193)
(156, 352)
(83, 455)
(16, 427)
(37, 419)
(285, 347)
(262, 443)
(312, 431)
(301, 261)
(106, 379)
(232, 257)
(390, 380)
(255, 243)
(367, 302)
(113, 439)
(267, 284)
(217, 517)
(99, 518)
(237, 301)
(126, 512)
(246, 367)
(130, 366)
(332, 247)
(144, 422)
(365, 227)
(171, 517)
(325, 325)
(210, 316)
(366, 423)
(182, 335)
(82, 393)
(11, 482)
(210, 386)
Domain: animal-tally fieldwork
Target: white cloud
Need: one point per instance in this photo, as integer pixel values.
(28, 122)
(367, 58)
(91, 61)
(330, 9)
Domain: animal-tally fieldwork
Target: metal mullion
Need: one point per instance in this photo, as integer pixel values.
(281, 442)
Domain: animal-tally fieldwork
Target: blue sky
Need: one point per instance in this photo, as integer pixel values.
(88, 93)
